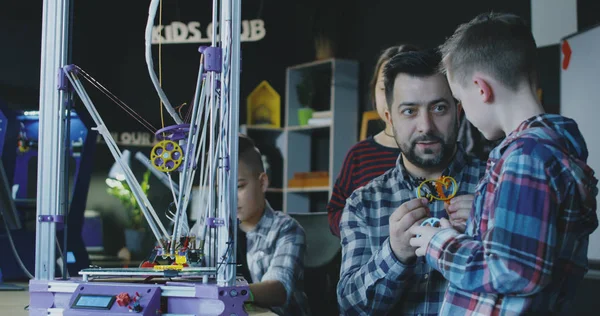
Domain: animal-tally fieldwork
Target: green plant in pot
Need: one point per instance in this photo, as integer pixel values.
(306, 94)
(136, 226)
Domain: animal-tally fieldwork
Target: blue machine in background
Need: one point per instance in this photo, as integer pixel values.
(19, 150)
(25, 181)
(3, 127)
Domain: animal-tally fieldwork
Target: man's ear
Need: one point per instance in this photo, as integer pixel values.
(485, 90)
(388, 117)
(459, 109)
(263, 178)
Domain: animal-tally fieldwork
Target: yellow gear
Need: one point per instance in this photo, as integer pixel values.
(166, 156)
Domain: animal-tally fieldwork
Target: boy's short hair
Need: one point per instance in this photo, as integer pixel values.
(249, 154)
(499, 44)
(422, 63)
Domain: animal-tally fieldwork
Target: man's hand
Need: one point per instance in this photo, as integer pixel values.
(459, 210)
(409, 214)
(426, 233)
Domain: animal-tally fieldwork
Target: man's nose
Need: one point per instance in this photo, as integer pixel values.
(425, 122)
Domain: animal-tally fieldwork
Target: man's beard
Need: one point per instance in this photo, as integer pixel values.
(409, 151)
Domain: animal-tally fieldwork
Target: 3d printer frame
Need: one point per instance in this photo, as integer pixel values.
(210, 137)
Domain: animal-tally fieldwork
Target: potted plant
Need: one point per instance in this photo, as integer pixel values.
(135, 230)
(325, 22)
(306, 93)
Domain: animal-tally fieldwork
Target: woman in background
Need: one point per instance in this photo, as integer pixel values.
(371, 157)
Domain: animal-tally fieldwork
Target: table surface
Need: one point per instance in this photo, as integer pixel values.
(14, 303)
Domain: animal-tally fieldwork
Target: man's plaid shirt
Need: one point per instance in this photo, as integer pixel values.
(372, 280)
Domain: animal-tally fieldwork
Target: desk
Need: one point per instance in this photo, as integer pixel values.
(13, 303)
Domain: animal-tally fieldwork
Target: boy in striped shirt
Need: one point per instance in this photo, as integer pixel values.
(525, 247)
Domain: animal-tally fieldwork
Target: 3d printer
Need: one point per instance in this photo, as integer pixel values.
(199, 277)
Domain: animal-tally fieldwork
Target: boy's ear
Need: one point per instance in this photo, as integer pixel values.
(263, 178)
(485, 90)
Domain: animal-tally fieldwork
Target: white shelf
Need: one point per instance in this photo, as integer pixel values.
(307, 189)
(315, 63)
(281, 129)
(263, 128)
(307, 127)
(324, 146)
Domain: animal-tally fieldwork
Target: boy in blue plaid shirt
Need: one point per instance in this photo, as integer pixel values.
(275, 242)
(271, 245)
(525, 247)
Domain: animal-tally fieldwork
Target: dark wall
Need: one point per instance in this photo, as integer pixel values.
(262, 60)
(20, 54)
(108, 42)
(381, 24)
(588, 14)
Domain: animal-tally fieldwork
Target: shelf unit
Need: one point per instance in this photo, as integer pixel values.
(312, 147)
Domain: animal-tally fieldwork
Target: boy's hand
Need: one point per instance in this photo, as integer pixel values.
(426, 233)
(411, 213)
(459, 210)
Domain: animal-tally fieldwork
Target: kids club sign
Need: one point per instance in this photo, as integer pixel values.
(178, 32)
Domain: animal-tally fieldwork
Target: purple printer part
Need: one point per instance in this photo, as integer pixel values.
(173, 132)
(50, 218)
(189, 162)
(43, 297)
(214, 222)
(71, 68)
(226, 300)
(208, 298)
(149, 298)
(212, 59)
(226, 163)
(201, 49)
(63, 81)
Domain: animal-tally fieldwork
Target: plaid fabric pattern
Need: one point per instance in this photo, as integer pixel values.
(525, 249)
(372, 280)
(276, 249)
(364, 161)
